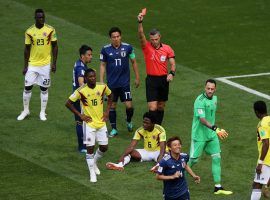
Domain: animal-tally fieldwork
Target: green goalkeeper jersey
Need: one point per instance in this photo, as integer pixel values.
(204, 107)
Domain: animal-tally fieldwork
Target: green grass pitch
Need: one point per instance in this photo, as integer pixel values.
(210, 38)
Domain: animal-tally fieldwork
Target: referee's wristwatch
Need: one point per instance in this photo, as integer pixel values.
(172, 73)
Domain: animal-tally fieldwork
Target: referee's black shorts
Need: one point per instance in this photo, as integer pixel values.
(157, 88)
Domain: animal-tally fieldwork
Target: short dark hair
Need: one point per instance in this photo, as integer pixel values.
(260, 107)
(39, 10)
(154, 31)
(171, 139)
(89, 70)
(210, 81)
(150, 116)
(84, 48)
(114, 29)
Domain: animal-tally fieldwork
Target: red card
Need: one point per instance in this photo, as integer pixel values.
(143, 11)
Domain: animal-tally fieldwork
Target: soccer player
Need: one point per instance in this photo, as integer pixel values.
(154, 137)
(204, 136)
(114, 59)
(94, 120)
(40, 42)
(172, 169)
(78, 80)
(262, 173)
(157, 56)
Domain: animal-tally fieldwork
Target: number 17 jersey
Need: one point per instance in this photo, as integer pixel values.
(117, 64)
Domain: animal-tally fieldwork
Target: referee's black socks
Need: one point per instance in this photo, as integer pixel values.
(129, 113)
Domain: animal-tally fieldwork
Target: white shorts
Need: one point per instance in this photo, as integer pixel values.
(148, 155)
(91, 135)
(38, 75)
(263, 177)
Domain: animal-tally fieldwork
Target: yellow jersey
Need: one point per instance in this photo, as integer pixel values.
(263, 132)
(40, 41)
(151, 139)
(92, 102)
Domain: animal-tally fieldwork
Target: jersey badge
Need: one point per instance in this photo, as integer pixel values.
(173, 167)
(262, 133)
(123, 53)
(162, 58)
(200, 111)
(154, 137)
(44, 34)
(111, 54)
(98, 93)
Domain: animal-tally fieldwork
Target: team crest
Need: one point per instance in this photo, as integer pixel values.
(123, 53)
(44, 34)
(154, 137)
(88, 139)
(98, 93)
(162, 58)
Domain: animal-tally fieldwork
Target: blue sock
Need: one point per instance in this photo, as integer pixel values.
(112, 118)
(79, 131)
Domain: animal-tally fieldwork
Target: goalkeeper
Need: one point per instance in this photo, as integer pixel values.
(204, 136)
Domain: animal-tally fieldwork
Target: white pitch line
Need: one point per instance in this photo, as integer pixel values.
(241, 87)
(247, 75)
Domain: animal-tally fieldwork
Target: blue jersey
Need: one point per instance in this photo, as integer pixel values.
(78, 71)
(168, 166)
(117, 64)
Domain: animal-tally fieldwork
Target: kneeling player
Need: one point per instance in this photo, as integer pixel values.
(154, 137)
(91, 97)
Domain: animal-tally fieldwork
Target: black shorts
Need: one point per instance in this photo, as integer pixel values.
(77, 105)
(157, 88)
(123, 92)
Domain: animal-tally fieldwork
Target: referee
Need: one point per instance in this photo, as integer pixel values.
(157, 56)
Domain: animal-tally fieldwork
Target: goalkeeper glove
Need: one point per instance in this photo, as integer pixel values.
(222, 134)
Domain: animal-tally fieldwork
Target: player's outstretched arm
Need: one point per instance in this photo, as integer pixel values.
(141, 35)
(128, 150)
(196, 178)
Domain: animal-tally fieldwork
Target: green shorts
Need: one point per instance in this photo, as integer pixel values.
(210, 147)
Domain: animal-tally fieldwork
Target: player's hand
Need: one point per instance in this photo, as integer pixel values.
(24, 70)
(140, 17)
(169, 77)
(155, 168)
(85, 118)
(105, 116)
(222, 134)
(53, 68)
(259, 169)
(197, 179)
(177, 174)
(137, 83)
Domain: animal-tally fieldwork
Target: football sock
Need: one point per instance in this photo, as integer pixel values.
(154, 112)
(256, 194)
(160, 114)
(216, 167)
(112, 118)
(26, 99)
(90, 161)
(44, 100)
(79, 131)
(126, 161)
(129, 113)
(217, 185)
(98, 155)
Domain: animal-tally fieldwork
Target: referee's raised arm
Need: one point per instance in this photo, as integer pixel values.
(140, 31)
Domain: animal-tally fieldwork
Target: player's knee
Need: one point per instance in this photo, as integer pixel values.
(103, 148)
(161, 106)
(43, 88)
(193, 161)
(216, 156)
(28, 88)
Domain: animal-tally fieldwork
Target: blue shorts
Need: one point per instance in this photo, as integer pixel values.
(123, 92)
(184, 196)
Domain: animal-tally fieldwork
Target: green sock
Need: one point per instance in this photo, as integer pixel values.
(216, 168)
